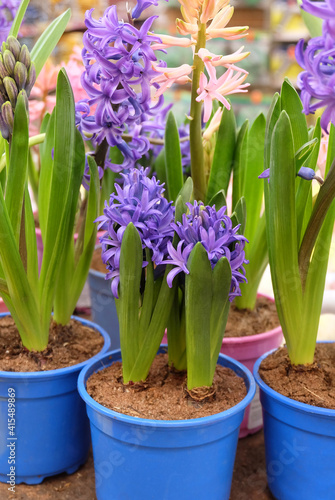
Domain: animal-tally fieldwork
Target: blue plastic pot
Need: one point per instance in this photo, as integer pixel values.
(299, 446)
(51, 433)
(103, 308)
(144, 459)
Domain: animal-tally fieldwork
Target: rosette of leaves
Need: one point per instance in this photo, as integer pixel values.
(28, 294)
(299, 227)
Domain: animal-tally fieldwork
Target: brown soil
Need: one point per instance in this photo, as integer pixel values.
(249, 479)
(243, 322)
(312, 384)
(163, 395)
(68, 345)
(97, 263)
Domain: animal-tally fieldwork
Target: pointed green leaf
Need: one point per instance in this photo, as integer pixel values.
(239, 162)
(282, 232)
(220, 308)
(174, 169)
(198, 312)
(48, 40)
(18, 168)
(253, 187)
(129, 292)
(15, 28)
(272, 118)
(292, 104)
(223, 155)
(219, 200)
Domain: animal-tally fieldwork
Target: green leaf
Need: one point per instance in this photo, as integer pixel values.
(304, 188)
(240, 215)
(223, 155)
(128, 304)
(313, 23)
(23, 306)
(252, 186)
(239, 162)
(282, 233)
(67, 173)
(183, 198)
(174, 169)
(30, 234)
(48, 40)
(46, 173)
(14, 31)
(159, 167)
(148, 298)
(320, 209)
(198, 311)
(292, 104)
(71, 280)
(18, 167)
(272, 118)
(219, 200)
(220, 308)
(155, 331)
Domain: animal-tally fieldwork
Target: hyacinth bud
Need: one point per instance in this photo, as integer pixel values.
(3, 71)
(24, 56)
(9, 62)
(8, 116)
(11, 89)
(31, 78)
(20, 75)
(4, 129)
(14, 46)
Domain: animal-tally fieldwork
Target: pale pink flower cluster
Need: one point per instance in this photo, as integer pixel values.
(213, 15)
(43, 95)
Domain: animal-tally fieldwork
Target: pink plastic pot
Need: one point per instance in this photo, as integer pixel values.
(3, 307)
(247, 350)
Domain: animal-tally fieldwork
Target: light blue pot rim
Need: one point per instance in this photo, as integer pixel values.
(284, 400)
(97, 274)
(61, 372)
(164, 424)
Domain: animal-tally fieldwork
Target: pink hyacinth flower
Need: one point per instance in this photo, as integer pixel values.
(228, 83)
(169, 76)
(172, 41)
(230, 59)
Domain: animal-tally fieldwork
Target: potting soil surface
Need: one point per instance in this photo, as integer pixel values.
(249, 479)
(313, 384)
(68, 345)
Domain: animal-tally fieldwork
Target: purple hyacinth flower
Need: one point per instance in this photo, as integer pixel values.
(141, 5)
(215, 231)
(317, 82)
(325, 10)
(140, 200)
(118, 59)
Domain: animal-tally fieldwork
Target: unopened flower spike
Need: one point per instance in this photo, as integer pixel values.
(17, 75)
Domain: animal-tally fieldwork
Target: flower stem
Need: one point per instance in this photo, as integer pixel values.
(196, 147)
(33, 141)
(325, 198)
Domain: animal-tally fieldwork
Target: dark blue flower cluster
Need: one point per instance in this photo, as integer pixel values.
(118, 68)
(214, 229)
(140, 201)
(317, 82)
